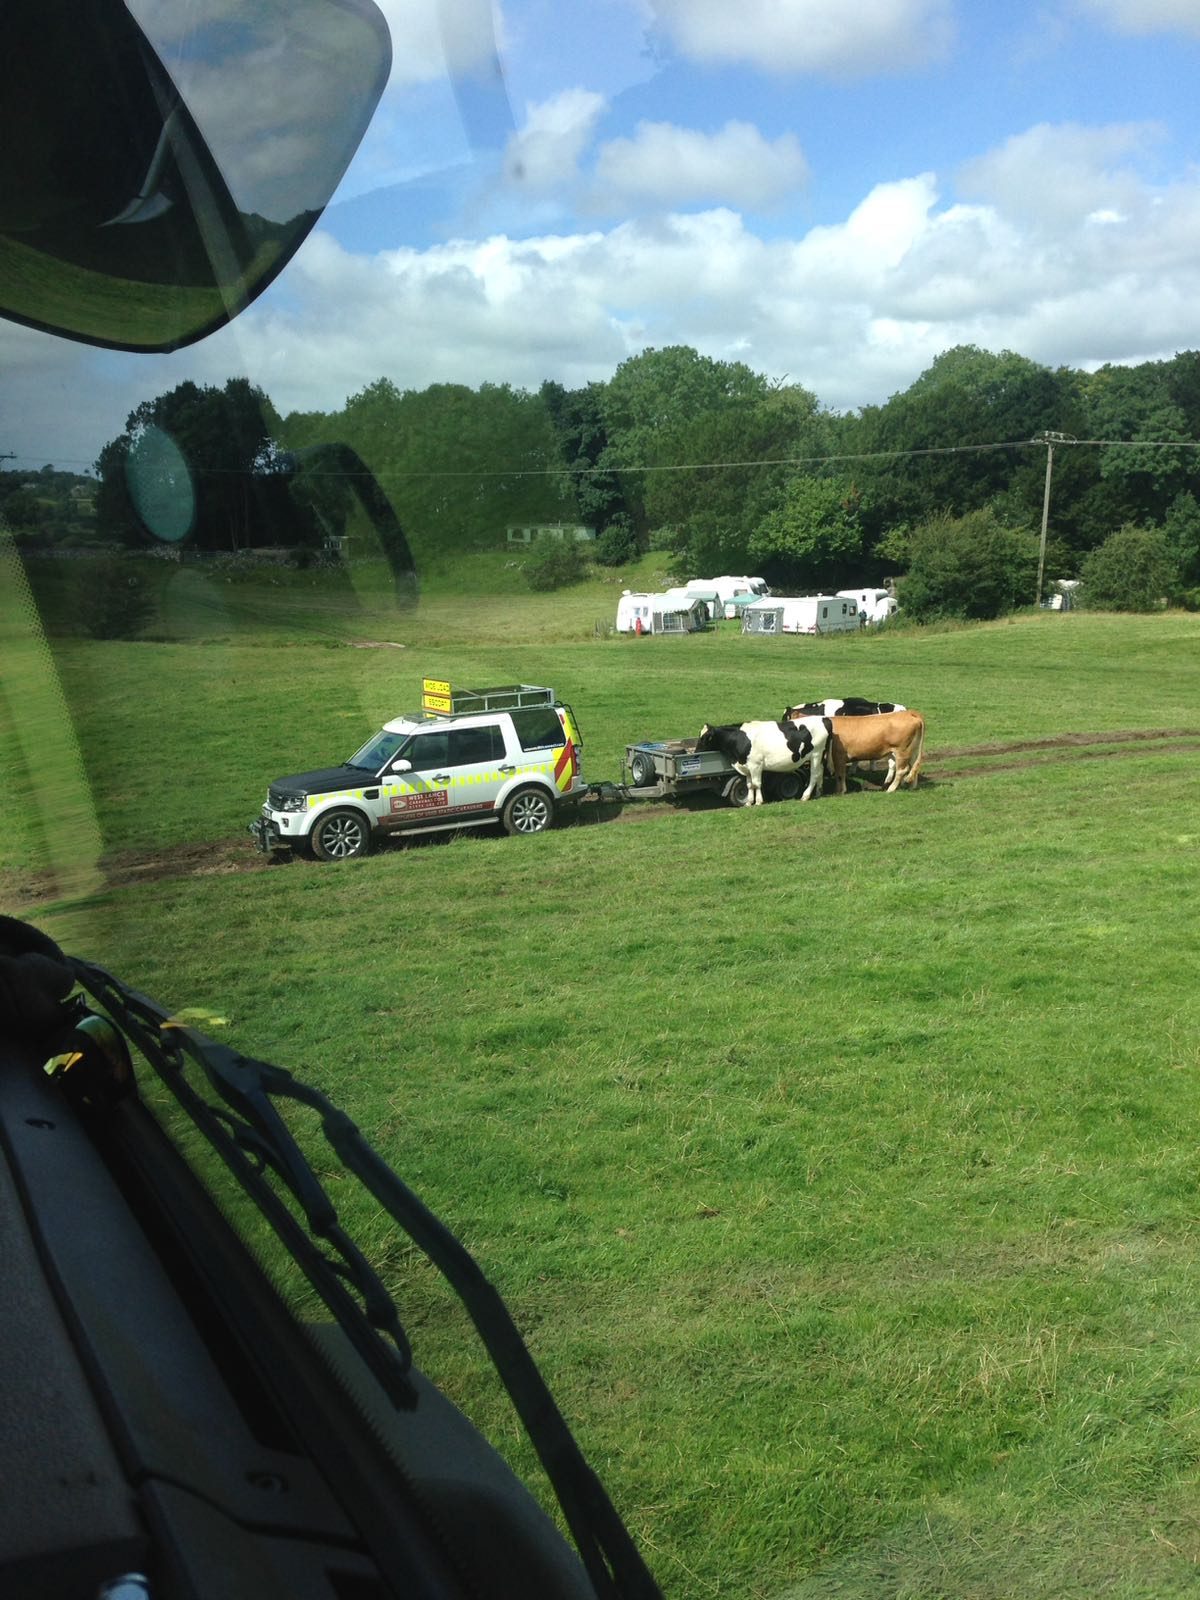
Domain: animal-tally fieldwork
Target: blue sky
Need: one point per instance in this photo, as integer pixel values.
(835, 190)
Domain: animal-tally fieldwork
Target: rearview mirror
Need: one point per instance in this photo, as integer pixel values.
(143, 205)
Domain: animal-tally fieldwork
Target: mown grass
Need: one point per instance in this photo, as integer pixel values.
(838, 1161)
(180, 739)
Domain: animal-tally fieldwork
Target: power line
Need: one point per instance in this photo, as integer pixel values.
(848, 457)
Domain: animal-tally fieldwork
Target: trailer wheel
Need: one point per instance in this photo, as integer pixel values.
(786, 786)
(641, 769)
(738, 792)
(527, 811)
(341, 835)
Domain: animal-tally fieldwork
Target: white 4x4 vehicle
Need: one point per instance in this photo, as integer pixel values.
(509, 755)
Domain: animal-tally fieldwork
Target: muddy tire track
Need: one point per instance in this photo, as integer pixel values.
(220, 857)
(1066, 741)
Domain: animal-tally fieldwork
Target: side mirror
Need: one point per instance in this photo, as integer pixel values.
(401, 766)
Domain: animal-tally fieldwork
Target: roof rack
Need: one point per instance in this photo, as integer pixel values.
(438, 699)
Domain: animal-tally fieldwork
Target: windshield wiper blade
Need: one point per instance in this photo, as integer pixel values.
(248, 1133)
(250, 1136)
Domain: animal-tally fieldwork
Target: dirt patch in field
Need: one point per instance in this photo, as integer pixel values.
(218, 857)
(1067, 741)
(223, 856)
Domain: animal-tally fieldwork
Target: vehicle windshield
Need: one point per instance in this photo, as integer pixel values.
(377, 752)
(852, 1211)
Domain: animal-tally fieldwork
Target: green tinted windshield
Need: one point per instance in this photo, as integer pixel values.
(840, 1154)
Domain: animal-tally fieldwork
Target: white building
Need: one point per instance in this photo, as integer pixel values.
(525, 533)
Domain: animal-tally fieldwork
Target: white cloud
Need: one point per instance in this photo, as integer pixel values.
(1145, 16)
(680, 166)
(545, 153)
(1054, 176)
(854, 310)
(828, 36)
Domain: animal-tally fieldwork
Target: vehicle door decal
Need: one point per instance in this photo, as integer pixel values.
(421, 800)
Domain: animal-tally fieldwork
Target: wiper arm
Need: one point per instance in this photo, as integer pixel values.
(248, 1133)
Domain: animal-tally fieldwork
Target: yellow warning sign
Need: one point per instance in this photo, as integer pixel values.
(436, 697)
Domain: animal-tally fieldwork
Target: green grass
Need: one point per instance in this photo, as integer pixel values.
(838, 1161)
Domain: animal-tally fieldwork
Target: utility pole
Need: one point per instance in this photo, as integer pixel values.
(1049, 440)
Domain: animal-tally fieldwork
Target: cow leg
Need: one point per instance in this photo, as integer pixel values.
(756, 778)
(839, 763)
(896, 771)
(816, 772)
(916, 754)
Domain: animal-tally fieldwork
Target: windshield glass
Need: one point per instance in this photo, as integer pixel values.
(836, 1154)
(377, 752)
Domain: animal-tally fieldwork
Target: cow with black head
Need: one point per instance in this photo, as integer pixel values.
(753, 748)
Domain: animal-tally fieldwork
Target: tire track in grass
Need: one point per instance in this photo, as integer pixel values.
(1066, 746)
(195, 860)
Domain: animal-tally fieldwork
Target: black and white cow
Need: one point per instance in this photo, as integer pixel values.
(753, 748)
(853, 707)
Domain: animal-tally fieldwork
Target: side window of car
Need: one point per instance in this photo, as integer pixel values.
(428, 751)
(468, 746)
(538, 728)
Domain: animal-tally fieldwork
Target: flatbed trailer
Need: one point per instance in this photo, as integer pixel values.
(666, 769)
(669, 769)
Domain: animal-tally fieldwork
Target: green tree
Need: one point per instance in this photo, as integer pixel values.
(205, 453)
(970, 567)
(651, 404)
(722, 472)
(1182, 531)
(458, 465)
(617, 544)
(1133, 570)
(554, 564)
(577, 416)
(814, 537)
(1136, 406)
(928, 441)
(20, 509)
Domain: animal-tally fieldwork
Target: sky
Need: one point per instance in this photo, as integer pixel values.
(831, 191)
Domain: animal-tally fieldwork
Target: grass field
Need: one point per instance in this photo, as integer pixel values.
(838, 1161)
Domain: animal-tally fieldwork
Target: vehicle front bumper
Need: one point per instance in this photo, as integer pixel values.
(267, 835)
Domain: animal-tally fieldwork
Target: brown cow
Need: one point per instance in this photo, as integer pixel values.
(897, 735)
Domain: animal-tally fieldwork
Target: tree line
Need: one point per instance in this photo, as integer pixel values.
(709, 462)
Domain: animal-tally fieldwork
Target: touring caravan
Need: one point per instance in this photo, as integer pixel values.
(874, 605)
(700, 590)
(813, 613)
(660, 613)
(730, 587)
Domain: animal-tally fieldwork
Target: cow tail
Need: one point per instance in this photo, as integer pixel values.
(828, 761)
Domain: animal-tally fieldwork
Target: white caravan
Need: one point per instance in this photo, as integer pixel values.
(874, 605)
(811, 613)
(659, 613)
(729, 587)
